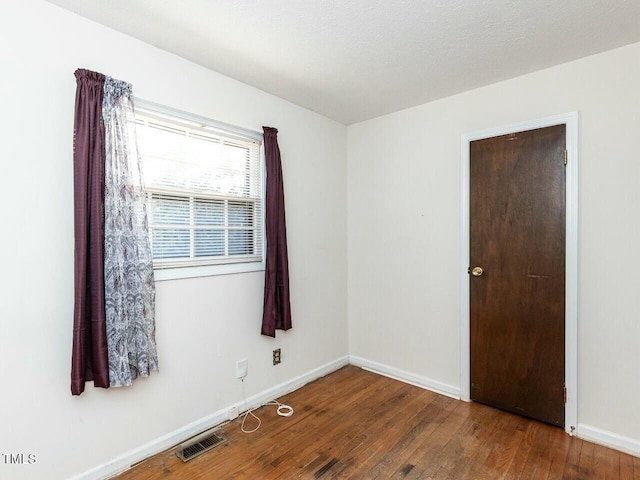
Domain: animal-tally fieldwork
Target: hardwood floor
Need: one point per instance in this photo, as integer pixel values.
(354, 424)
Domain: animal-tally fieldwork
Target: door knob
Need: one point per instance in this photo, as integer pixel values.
(477, 271)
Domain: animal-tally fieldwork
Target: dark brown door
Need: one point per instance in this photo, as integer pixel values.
(517, 238)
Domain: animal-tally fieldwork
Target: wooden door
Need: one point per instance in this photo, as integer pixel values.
(517, 238)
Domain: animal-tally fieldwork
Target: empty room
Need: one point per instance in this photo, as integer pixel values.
(320, 239)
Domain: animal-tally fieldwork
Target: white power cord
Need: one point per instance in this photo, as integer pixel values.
(282, 410)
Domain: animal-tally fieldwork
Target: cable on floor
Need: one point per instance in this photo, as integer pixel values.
(282, 410)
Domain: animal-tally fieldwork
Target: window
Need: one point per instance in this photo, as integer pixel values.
(204, 192)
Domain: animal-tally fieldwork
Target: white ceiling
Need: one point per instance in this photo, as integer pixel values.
(352, 60)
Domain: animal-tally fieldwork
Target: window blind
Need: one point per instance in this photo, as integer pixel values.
(204, 192)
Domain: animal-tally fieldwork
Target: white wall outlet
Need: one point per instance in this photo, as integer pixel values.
(233, 413)
(242, 368)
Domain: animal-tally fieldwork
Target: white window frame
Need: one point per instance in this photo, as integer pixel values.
(234, 265)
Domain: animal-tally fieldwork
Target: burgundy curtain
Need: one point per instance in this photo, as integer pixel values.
(277, 310)
(89, 358)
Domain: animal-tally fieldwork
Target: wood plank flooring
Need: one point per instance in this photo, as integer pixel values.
(354, 424)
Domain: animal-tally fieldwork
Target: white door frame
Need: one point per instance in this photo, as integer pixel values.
(571, 280)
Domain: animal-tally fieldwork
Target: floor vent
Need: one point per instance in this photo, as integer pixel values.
(199, 445)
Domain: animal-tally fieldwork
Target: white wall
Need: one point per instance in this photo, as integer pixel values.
(404, 228)
(403, 181)
(203, 325)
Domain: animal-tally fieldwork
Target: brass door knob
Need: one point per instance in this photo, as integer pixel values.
(477, 271)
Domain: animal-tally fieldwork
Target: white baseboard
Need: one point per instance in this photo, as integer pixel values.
(583, 431)
(123, 462)
(608, 439)
(407, 377)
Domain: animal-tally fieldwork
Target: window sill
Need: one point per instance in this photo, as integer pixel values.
(162, 274)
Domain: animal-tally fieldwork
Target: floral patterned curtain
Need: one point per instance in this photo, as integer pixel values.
(114, 324)
(128, 262)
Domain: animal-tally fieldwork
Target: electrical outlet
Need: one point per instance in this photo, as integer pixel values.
(242, 368)
(276, 356)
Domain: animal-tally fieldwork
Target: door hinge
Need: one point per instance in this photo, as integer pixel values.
(566, 155)
(564, 394)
